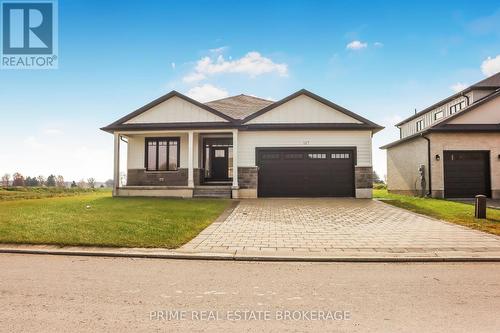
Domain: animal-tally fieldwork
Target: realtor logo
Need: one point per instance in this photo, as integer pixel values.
(29, 34)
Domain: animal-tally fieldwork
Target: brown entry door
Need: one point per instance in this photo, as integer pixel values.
(219, 157)
(306, 173)
(466, 174)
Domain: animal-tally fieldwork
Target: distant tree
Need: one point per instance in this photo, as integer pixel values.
(376, 178)
(91, 182)
(5, 180)
(82, 183)
(102, 186)
(17, 179)
(60, 181)
(30, 181)
(51, 181)
(41, 180)
(73, 184)
(109, 183)
(34, 181)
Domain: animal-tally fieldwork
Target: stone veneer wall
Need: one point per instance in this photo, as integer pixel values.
(198, 175)
(141, 177)
(247, 177)
(364, 177)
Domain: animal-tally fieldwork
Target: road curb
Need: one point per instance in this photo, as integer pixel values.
(244, 257)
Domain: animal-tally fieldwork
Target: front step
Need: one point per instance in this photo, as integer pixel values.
(207, 191)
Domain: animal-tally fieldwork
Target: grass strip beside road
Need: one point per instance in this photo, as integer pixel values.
(455, 212)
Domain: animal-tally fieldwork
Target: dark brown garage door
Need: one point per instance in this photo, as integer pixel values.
(466, 174)
(305, 172)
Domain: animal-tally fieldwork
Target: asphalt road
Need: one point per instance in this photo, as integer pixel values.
(41, 293)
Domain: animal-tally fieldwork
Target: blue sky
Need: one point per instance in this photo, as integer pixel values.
(379, 59)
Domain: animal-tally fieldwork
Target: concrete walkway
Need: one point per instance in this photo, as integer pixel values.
(336, 228)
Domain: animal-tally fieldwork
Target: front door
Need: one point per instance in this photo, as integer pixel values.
(219, 167)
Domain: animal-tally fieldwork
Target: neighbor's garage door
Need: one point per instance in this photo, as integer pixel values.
(305, 173)
(466, 174)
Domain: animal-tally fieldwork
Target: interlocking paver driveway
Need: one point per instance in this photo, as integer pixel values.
(322, 225)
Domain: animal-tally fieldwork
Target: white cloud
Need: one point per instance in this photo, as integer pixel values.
(193, 77)
(459, 86)
(252, 64)
(378, 44)
(356, 45)
(491, 66)
(32, 142)
(52, 131)
(172, 65)
(207, 92)
(218, 50)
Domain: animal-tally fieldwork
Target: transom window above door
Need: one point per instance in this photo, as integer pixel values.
(220, 153)
(162, 154)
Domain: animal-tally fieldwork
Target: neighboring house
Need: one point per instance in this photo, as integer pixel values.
(245, 147)
(457, 140)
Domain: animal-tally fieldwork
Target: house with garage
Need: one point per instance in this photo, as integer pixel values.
(244, 147)
(454, 144)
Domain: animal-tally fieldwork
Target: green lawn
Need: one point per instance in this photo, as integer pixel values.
(97, 219)
(454, 212)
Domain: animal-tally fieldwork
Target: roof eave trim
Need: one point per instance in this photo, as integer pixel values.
(408, 138)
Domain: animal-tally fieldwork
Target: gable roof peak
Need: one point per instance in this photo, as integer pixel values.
(318, 99)
(162, 99)
(237, 96)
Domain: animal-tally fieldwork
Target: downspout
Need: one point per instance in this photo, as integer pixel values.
(467, 98)
(429, 163)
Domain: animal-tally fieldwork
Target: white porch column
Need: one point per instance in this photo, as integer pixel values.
(235, 159)
(116, 164)
(190, 159)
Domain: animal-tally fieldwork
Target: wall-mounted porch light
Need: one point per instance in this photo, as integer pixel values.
(438, 157)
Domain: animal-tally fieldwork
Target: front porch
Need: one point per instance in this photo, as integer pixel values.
(189, 163)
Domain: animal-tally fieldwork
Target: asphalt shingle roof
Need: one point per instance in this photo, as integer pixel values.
(492, 81)
(240, 106)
